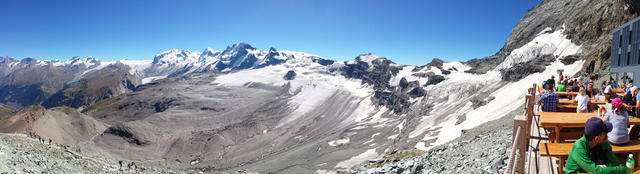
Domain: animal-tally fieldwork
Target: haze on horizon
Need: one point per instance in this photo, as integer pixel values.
(407, 32)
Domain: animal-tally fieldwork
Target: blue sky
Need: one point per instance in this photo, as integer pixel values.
(407, 32)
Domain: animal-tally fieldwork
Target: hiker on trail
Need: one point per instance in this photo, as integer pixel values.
(30, 134)
(619, 118)
(49, 141)
(583, 101)
(120, 162)
(592, 148)
(548, 99)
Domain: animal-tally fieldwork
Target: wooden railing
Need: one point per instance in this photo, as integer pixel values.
(521, 134)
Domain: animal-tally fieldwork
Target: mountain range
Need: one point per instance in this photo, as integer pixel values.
(292, 112)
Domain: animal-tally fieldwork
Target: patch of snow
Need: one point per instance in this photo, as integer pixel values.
(94, 68)
(545, 43)
(137, 66)
(457, 65)
(339, 142)
(151, 79)
(353, 161)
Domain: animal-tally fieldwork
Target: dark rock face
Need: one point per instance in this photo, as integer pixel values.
(378, 74)
(164, 104)
(417, 92)
(569, 59)
(127, 134)
(522, 70)
(587, 23)
(271, 59)
(434, 79)
(290, 75)
(323, 62)
(436, 63)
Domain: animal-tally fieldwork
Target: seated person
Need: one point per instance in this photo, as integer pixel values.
(607, 89)
(637, 102)
(628, 98)
(583, 101)
(549, 98)
(592, 148)
(562, 88)
(619, 118)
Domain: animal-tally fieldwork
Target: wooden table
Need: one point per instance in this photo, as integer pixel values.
(566, 105)
(617, 90)
(561, 151)
(566, 93)
(559, 120)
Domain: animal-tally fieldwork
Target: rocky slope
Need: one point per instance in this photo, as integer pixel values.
(478, 150)
(586, 23)
(6, 111)
(21, 154)
(62, 125)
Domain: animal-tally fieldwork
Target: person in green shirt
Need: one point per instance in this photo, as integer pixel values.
(592, 150)
(561, 88)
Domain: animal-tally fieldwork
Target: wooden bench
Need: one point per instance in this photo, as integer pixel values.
(565, 135)
(566, 107)
(561, 151)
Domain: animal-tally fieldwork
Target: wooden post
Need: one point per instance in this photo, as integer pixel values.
(529, 118)
(519, 144)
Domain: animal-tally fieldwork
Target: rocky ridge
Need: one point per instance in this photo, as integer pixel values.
(586, 23)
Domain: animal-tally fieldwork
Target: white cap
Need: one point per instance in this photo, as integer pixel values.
(634, 88)
(630, 155)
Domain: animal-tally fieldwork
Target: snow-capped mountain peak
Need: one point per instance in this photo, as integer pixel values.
(176, 56)
(209, 52)
(77, 61)
(239, 46)
(367, 57)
